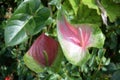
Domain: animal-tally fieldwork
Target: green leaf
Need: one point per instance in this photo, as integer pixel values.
(87, 15)
(75, 5)
(91, 4)
(14, 33)
(40, 19)
(55, 2)
(92, 60)
(68, 8)
(101, 53)
(116, 75)
(107, 61)
(28, 6)
(27, 20)
(112, 11)
(57, 63)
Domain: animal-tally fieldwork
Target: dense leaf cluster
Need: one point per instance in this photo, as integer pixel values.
(30, 18)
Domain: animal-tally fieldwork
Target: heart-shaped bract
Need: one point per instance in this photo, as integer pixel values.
(75, 40)
(43, 53)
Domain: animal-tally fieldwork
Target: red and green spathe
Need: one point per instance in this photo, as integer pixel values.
(44, 52)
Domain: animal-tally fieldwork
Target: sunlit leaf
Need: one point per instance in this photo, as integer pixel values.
(112, 11)
(75, 5)
(91, 4)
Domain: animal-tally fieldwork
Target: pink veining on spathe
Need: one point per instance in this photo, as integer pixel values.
(79, 35)
(41, 44)
(84, 36)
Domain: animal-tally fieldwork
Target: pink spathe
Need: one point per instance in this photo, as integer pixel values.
(78, 35)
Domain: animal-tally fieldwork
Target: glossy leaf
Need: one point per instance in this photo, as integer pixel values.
(12, 33)
(91, 4)
(27, 20)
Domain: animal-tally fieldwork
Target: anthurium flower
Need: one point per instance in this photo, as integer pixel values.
(76, 39)
(44, 52)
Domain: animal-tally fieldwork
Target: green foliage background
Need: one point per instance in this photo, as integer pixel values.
(32, 17)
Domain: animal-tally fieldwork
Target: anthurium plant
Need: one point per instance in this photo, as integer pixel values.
(76, 39)
(44, 52)
(60, 40)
